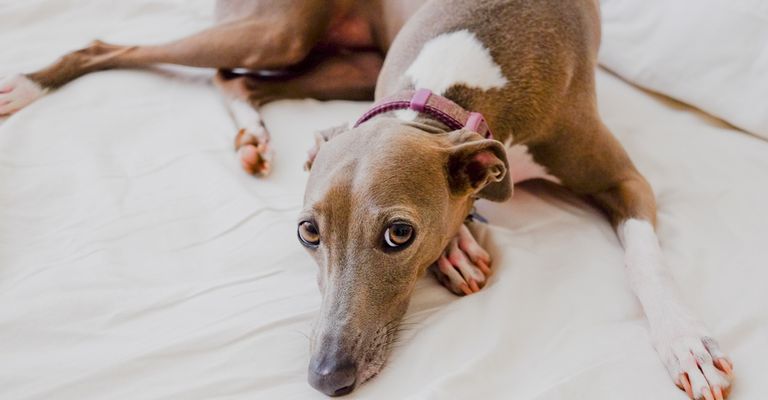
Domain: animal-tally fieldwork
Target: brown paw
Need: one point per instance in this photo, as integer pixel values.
(254, 152)
(464, 266)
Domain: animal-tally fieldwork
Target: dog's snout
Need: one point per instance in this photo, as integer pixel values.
(333, 376)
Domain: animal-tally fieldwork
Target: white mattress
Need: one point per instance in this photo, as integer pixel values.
(138, 262)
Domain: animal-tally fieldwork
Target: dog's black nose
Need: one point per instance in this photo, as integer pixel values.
(333, 377)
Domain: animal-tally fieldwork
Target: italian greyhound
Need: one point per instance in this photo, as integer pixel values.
(473, 97)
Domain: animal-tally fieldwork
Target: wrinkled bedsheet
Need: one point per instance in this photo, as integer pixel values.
(138, 262)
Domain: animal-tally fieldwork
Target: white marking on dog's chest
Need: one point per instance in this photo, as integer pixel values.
(522, 167)
(456, 58)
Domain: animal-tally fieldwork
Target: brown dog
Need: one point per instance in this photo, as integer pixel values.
(388, 198)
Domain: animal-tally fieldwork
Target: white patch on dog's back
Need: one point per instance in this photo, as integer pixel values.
(455, 58)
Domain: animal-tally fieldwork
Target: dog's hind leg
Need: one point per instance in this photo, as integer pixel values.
(325, 75)
(252, 139)
(342, 76)
(274, 38)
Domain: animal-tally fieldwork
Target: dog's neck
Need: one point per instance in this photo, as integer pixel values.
(433, 109)
(426, 124)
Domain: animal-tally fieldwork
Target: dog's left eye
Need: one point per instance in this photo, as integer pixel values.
(308, 234)
(398, 235)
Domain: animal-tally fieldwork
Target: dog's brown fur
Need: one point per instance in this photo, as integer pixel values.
(364, 178)
(547, 50)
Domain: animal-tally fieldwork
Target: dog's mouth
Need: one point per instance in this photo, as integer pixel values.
(378, 350)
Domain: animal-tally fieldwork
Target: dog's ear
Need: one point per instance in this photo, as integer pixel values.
(320, 138)
(480, 167)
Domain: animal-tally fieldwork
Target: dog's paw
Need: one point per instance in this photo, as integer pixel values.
(698, 366)
(16, 92)
(464, 266)
(254, 152)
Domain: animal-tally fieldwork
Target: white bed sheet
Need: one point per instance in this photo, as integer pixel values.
(138, 262)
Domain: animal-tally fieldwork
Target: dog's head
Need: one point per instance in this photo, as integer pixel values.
(382, 202)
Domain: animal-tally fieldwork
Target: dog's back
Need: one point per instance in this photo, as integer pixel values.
(544, 49)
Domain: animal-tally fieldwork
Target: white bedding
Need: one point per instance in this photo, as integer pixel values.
(712, 54)
(138, 262)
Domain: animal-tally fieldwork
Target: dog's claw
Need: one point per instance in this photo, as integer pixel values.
(464, 266)
(725, 366)
(465, 289)
(254, 152)
(686, 385)
(484, 267)
(718, 393)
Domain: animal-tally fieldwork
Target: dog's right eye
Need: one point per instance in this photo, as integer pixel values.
(309, 236)
(398, 236)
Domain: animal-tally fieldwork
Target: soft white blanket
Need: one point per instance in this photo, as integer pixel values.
(138, 262)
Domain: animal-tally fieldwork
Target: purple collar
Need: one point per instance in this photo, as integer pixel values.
(433, 105)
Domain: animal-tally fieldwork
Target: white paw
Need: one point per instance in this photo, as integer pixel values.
(16, 92)
(697, 365)
(254, 151)
(464, 266)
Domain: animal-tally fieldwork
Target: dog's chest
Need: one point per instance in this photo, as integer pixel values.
(523, 167)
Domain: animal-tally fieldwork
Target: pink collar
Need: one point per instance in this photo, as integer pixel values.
(436, 106)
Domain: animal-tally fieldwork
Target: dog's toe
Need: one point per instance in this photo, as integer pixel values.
(16, 92)
(698, 367)
(450, 277)
(465, 266)
(472, 249)
(254, 152)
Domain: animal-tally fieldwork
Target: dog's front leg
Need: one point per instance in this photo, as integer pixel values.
(692, 357)
(464, 266)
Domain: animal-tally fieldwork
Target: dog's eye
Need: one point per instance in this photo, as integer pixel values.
(398, 235)
(309, 236)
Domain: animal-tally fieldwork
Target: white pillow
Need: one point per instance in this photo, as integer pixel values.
(712, 54)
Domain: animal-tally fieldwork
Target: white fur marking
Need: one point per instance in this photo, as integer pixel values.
(16, 92)
(453, 59)
(244, 114)
(679, 338)
(522, 167)
(645, 267)
(406, 115)
(248, 118)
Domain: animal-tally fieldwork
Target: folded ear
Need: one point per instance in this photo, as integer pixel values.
(480, 167)
(320, 138)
